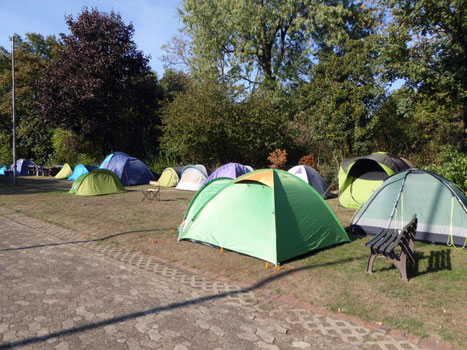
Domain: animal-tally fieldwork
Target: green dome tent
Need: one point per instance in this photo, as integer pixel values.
(441, 207)
(359, 177)
(170, 177)
(97, 182)
(268, 214)
(65, 172)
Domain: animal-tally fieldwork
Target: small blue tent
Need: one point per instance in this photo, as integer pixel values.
(230, 170)
(81, 169)
(131, 171)
(22, 166)
(2, 170)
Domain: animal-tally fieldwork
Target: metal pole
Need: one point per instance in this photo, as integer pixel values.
(13, 105)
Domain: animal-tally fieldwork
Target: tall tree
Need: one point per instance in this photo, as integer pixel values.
(270, 42)
(32, 57)
(100, 87)
(341, 98)
(426, 46)
(213, 123)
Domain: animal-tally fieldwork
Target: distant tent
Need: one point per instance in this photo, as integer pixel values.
(81, 169)
(65, 172)
(97, 182)
(268, 214)
(22, 166)
(441, 207)
(229, 170)
(170, 177)
(192, 178)
(3, 169)
(131, 171)
(359, 177)
(311, 177)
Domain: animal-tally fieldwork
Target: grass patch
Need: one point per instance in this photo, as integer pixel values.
(432, 304)
(409, 324)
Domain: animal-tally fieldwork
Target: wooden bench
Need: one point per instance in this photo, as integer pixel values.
(388, 240)
(152, 192)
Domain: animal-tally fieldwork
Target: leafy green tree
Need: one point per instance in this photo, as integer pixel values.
(32, 57)
(341, 98)
(396, 131)
(269, 42)
(173, 82)
(259, 127)
(101, 88)
(425, 45)
(213, 123)
(194, 123)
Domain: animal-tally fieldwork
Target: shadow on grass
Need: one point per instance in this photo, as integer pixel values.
(33, 185)
(82, 241)
(156, 310)
(437, 261)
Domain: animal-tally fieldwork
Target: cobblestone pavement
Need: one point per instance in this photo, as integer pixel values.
(59, 291)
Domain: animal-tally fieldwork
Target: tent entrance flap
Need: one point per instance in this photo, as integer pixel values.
(367, 169)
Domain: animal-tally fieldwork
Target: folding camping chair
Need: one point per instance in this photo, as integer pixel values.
(152, 192)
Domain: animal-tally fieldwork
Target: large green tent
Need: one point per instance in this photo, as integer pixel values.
(268, 214)
(359, 177)
(65, 172)
(97, 182)
(441, 207)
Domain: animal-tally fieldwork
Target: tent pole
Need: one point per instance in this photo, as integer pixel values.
(397, 201)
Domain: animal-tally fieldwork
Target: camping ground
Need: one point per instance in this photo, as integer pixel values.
(432, 304)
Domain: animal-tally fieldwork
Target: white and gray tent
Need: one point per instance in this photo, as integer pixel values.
(192, 177)
(313, 178)
(441, 207)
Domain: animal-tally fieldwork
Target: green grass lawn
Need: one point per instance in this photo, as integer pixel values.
(432, 304)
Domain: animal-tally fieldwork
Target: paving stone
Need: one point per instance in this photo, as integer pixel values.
(66, 293)
(248, 336)
(268, 338)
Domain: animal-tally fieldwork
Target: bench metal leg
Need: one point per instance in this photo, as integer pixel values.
(400, 263)
(371, 260)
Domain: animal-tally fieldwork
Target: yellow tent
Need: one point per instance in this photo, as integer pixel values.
(65, 172)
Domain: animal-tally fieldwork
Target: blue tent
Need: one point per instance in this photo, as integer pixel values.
(2, 170)
(81, 169)
(130, 170)
(22, 166)
(230, 170)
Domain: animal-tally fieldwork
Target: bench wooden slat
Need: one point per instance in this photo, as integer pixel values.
(380, 236)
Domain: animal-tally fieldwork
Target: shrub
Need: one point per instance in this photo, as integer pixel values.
(159, 162)
(278, 158)
(451, 164)
(308, 160)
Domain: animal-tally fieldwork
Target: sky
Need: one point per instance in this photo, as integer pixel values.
(154, 21)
